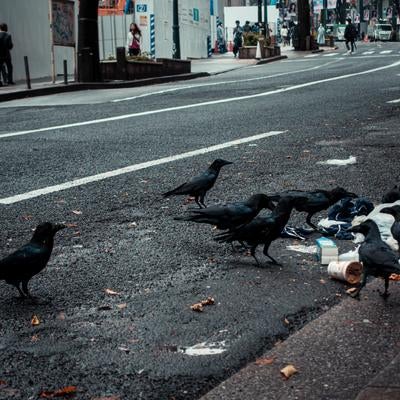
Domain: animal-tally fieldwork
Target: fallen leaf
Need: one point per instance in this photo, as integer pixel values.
(65, 391)
(209, 301)
(76, 212)
(35, 321)
(111, 292)
(288, 371)
(197, 307)
(122, 306)
(394, 277)
(265, 361)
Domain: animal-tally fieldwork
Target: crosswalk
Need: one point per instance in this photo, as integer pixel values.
(364, 53)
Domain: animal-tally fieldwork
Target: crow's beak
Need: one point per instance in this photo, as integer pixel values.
(352, 195)
(227, 162)
(58, 227)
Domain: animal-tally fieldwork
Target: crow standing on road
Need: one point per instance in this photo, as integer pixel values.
(232, 215)
(377, 257)
(198, 186)
(315, 201)
(19, 267)
(392, 195)
(395, 229)
(263, 230)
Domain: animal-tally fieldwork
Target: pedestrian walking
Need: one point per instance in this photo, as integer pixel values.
(134, 40)
(321, 35)
(6, 45)
(221, 38)
(350, 34)
(237, 38)
(285, 35)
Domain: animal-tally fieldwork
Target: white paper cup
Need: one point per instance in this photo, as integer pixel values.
(349, 271)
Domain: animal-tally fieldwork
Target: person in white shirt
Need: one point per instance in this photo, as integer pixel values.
(134, 40)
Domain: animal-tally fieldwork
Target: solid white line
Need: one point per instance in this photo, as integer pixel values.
(393, 101)
(203, 104)
(200, 85)
(131, 168)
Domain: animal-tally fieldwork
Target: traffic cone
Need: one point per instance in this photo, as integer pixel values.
(366, 40)
(258, 51)
(230, 46)
(216, 48)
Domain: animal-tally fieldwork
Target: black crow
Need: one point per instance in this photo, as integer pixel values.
(19, 267)
(377, 257)
(230, 216)
(392, 195)
(395, 229)
(315, 201)
(198, 186)
(262, 230)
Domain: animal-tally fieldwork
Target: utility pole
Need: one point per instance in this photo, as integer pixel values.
(303, 12)
(88, 42)
(175, 30)
(259, 9)
(266, 19)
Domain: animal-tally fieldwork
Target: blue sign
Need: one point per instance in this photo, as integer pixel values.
(141, 8)
(196, 14)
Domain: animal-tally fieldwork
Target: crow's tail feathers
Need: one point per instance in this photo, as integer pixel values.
(174, 191)
(225, 237)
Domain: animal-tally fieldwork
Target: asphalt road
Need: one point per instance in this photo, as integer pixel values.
(138, 343)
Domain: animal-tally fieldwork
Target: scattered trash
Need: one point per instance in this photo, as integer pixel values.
(351, 290)
(348, 161)
(124, 349)
(122, 306)
(35, 321)
(65, 391)
(367, 321)
(204, 349)
(349, 271)
(303, 249)
(209, 301)
(199, 307)
(76, 212)
(351, 255)
(327, 250)
(265, 361)
(394, 277)
(288, 371)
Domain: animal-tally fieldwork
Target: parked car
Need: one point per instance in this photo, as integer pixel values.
(380, 32)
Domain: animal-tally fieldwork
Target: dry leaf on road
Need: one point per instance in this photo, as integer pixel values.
(122, 306)
(394, 277)
(197, 307)
(209, 301)
(288, 371)
(265, 361)
(76, 212)
(35, 321)
(111, 292)
(65, 391)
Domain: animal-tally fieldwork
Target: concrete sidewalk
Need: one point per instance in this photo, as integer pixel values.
(351, 351)
(216, 64)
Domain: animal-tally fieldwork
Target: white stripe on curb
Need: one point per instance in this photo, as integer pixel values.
(131, 168)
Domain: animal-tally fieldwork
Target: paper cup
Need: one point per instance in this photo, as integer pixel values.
(349, 271)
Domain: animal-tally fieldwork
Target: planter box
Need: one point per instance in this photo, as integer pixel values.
(247, 52)
(175, 67)
(143, 69)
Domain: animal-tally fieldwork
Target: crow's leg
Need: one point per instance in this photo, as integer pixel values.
(16, 284)
(253, 253)
(265, 251)
(25, 288)
(356, 293)
(308, 221)
(196, 199)
(202, 197)
(386, 294)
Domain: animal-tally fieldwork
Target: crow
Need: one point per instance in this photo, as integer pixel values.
(315, 201)
(263, 230)
(198, 186)
(232, 215)
(395, 229)
(377, 257)
(392, 195)
(19, 267)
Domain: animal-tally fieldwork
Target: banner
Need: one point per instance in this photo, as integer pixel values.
(318, 6)
(331, 4)
(63, 22)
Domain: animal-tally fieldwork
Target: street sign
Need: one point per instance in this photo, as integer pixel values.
(196, 14)
(141, 8)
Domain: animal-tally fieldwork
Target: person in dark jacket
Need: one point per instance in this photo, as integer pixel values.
(5, 56)
(350, 34)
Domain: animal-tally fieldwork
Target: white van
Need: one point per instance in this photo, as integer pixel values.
(381, 32)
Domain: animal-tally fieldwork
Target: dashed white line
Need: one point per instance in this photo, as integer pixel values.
(393, 101)
(197, 105)
(368, 52)
(385, 52)
(331, 55)
(131, 168)
(311, 55)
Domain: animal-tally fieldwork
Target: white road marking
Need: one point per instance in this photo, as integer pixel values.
(393, 101)
(385, 51)
(196, 105)
(200, 85)
(131, 168)
(368, 52)
(311, 55)
(331, 55)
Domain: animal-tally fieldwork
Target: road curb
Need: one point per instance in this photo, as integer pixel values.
(270, 59)
(73, 87)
